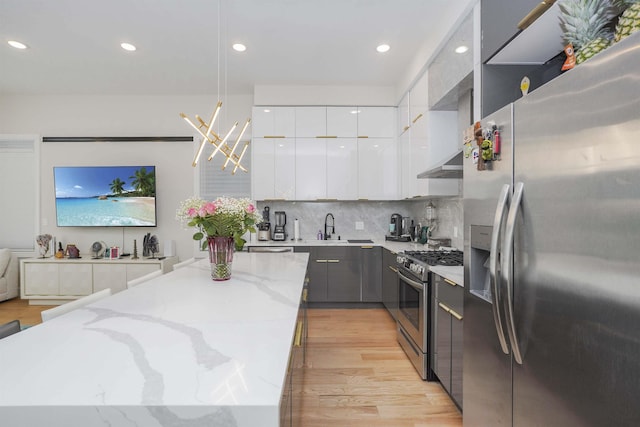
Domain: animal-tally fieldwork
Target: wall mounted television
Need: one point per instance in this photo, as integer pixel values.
(105, 196)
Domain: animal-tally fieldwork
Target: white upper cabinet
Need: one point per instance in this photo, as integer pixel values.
(273, 168)
(342, 168)
(311, 122)
(273, 121)
(419, 98)
(377, 169)
(342, 122)
(311, 168)
(404, 120)
(376, 122)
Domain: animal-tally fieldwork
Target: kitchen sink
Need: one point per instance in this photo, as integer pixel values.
(360, 241)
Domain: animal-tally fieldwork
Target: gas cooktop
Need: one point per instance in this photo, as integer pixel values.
(439, 257)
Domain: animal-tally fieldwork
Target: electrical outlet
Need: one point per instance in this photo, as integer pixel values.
(359, 225)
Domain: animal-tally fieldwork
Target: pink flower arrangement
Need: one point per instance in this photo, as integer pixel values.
(223, 217)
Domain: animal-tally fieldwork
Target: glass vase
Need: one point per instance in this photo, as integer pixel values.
(220, 256)
(43, 249)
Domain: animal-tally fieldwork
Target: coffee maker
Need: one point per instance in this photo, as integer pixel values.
(395, 225)
(396, 231)
(279, 230)
(264, 228)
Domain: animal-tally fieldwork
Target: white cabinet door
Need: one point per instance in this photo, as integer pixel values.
(342, 168)
(273, 121)
(342, 122)
(377, 169)
(311, 168)
(135, 271)
(408, 181)
(41, 279)
(403, 115)
(273, 168)
(377, 122)
(419, 97)
(112, 276)
(262, 169)
(284, 168)
(75, 279)
(311, 122)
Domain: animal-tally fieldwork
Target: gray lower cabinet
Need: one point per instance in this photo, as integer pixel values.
(390, 282)
(344, 273)
(334, 274)
(448, 336)
(371, 284)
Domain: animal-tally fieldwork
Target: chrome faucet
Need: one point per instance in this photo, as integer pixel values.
(327, 226)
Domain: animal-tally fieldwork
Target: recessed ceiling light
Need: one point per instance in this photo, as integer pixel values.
(266, 110)
(461, 49)
(17, 44)
(239, 47)
(383, 48)
(128, 47)
(355, 111)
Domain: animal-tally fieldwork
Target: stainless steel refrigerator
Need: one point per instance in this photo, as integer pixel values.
(552, 254)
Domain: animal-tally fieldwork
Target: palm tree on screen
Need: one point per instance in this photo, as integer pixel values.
(117, 186)
(144, 182)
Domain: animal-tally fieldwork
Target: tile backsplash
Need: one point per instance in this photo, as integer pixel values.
(373, 216)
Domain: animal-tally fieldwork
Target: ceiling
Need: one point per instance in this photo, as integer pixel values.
(74, 45)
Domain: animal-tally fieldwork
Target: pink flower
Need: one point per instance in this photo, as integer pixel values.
(192, 212)
(202, 211)
(210, 208)
(251, 208)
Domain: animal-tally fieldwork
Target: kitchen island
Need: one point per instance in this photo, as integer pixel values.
(179, 350)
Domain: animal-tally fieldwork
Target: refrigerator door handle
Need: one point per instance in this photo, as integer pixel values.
(494, 260)
(508, 268)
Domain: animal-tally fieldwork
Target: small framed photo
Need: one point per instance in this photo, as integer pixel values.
(114, 252)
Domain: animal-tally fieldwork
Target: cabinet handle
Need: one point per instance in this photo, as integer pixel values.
(333, 261)
(305, 293)
(298, 338)
(321, 260)
(444, 307)
(395, 270)
(274, 136)
(326, 136)
(363, 136)
(363, 199)
(418, 117)
(366, 247)
(450, 282)
(454, 314)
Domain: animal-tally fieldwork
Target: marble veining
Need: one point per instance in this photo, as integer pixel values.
(179, 350)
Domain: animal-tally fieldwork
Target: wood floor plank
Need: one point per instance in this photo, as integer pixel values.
(357, 375)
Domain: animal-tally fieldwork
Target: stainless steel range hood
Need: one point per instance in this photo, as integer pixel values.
(450, 168)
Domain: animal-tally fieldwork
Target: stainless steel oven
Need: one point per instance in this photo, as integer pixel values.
(414, 314)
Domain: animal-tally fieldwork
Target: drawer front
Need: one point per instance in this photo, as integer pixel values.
(451, 295)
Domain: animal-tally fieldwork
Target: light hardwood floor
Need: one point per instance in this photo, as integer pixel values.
(356, 373)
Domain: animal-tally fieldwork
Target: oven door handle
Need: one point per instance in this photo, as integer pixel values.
(417, 285)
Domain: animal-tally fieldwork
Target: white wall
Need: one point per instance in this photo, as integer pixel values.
(118, 116)
(324, 95)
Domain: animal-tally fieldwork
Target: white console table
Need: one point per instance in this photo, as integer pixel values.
(52, 281)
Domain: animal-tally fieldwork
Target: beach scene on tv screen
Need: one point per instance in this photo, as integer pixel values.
(105, 196)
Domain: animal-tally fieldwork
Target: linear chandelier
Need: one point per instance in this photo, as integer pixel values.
(206, 129)
(220, 144)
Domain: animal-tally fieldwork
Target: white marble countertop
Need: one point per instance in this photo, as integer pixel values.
(177, 350)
